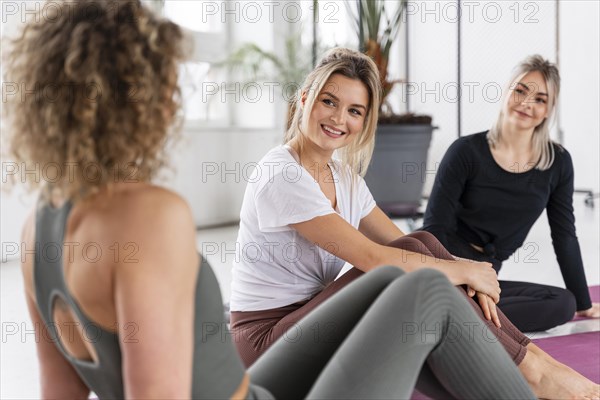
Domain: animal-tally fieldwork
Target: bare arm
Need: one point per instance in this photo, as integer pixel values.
(154, 299)
(379, 228)
(57, 377)
(365, 254)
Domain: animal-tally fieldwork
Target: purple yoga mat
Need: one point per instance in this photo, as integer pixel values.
(595, 295)
(580, 351)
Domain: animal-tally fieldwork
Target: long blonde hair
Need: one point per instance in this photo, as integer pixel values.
(543, 146)
(354, 65)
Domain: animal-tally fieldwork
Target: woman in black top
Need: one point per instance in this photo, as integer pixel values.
(492, 186)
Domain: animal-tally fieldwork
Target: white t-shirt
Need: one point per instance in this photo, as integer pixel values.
(274, 265)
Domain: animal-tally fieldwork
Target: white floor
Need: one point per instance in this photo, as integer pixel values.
(534, 262)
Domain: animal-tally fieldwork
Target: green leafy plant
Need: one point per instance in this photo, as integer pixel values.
(376, 31)
(253, 63)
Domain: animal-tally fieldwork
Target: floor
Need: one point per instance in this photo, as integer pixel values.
(535, 261)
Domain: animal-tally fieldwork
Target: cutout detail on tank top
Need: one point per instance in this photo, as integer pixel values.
(71, 334)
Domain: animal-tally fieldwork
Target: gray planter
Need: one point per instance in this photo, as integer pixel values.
(398, 168)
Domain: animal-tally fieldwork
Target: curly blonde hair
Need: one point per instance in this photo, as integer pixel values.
(94, 94)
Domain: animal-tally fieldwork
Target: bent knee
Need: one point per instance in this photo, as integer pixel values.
(424, 236)
(407, 243)
(564, 305)
(432, 277)
(387, 272)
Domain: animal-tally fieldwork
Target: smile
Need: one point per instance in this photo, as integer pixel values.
(329, 131)
(522, 114)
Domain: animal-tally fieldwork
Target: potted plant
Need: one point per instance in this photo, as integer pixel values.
(395, 175)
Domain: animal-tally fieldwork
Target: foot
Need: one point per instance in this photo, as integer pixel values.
(553, 380)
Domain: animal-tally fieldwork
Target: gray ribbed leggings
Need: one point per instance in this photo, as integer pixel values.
(372, 339)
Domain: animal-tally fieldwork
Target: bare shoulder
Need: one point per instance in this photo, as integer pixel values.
(147, 202)
(159, 216)
(138, 211)
(155, 221)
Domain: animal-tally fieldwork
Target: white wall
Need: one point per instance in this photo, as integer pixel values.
(211, 169)
(433, 61)
(580, 92)
(492, 44)
(432, 74)
(16, 204)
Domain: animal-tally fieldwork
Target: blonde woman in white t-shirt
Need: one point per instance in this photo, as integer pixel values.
(305, 214)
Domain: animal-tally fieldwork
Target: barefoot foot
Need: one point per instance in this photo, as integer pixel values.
(553, 380)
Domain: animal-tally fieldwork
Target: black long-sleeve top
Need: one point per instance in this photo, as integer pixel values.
(483, 204)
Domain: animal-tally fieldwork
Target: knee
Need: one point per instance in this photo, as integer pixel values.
(424, 236)
(565, 305)
(387, 273)
(432, 278)
(406, 243)
(431, 242)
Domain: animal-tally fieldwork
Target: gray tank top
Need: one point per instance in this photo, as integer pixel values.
(217, 368)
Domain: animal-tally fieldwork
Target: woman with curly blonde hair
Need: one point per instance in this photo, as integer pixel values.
(105, 107)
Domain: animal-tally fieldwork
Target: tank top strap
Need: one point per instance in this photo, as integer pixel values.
(49, 282)
(48, 274)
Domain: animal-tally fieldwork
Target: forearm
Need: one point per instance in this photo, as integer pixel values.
(478, 275)
(412, 261)
(568, 255)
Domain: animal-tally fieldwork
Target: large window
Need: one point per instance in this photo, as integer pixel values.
(199, 79)
(212, 95)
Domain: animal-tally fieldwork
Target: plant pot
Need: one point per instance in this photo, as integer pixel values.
(397, 171)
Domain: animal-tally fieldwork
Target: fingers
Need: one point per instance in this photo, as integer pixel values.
(470, 291)
(490, 312)
(495, 297)
(496, 294)
(483, 302)
(494, 313)
(482, 278)
(492, 277)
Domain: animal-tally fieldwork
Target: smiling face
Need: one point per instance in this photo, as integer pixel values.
(526, 105)
(338, 114)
